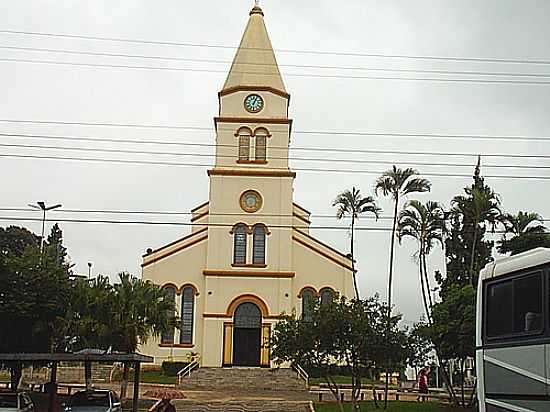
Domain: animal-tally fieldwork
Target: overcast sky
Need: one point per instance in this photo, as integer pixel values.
(47, 92)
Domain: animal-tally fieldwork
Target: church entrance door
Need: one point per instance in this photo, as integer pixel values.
(247, 332)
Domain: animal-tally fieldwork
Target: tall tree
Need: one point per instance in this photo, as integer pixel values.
(397, 183)
(472, 214)
(55, 246)
(351, 203)
(426, 224)
(453, 329)
(527, 232)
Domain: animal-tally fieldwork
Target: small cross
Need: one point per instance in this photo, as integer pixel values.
(257, 3)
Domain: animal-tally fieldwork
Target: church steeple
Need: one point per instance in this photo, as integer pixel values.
(254, 64)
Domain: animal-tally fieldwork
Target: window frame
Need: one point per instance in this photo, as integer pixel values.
(236, 232)
(512, 277)
(192, 318)
(164, 341)
(264, 253)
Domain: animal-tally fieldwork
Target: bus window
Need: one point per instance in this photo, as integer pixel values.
(528, 304)
(514, 306)
(499, 309)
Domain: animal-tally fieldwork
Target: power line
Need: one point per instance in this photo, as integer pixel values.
(310, 75)
(301, 66)
(228, 225)
(313, 149)
(294, 51)
(309, 132)
(324, 170)
(303, 159)
(173, 213)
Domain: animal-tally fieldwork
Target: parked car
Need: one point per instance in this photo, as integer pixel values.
(16, 402)
(95, 400)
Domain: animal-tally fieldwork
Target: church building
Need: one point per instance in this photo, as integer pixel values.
(250, 256)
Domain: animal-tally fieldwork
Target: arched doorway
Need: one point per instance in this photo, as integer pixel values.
(247, 332)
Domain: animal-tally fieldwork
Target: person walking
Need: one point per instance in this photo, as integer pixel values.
(422, 382)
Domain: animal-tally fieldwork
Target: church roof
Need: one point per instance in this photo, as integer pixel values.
(254, 64)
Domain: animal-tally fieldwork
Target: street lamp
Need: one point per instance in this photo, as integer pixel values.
(42, 206)
(89, 270)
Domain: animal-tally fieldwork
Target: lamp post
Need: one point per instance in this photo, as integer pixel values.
(42, 206)
(89, 270)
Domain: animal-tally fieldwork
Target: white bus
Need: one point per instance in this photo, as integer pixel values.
(513, 333)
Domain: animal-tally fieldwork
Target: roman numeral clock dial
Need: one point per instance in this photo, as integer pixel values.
(253, 103)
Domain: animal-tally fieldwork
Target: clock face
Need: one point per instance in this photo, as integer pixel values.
(253, 103)
(251, 201)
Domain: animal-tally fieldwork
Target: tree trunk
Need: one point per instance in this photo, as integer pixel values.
(353, 257)
(390, 280)
(472, 258)
(335, 390)
(423, 287)
(427, 280)
(16, 371)
(124, 383)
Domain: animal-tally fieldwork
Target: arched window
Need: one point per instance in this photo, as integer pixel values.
(261, 143)
(308, 300)
(258, 245)
(168, 336)
(247, 316)
(244, 143)
(187, 314)
(239, 244)
(327, 294)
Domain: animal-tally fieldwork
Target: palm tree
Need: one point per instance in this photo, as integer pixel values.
(141, 310)
(426, 224)
(397, 183)
(527, 230)
(480, 206)
(351, 203)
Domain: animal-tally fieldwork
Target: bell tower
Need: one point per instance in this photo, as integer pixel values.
(250, 202)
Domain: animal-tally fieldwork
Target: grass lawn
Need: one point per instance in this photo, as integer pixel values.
(153, 377)
(401, 406)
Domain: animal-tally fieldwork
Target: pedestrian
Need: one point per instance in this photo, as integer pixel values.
(422, 382)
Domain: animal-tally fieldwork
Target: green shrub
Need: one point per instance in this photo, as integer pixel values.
(172, 368)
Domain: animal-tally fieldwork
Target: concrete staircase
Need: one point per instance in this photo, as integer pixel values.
(243, 379)
(243, 406)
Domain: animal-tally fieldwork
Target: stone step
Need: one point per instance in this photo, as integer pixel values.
(248, 406)
(249, 379)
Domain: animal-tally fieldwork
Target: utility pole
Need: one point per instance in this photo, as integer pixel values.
(42, 206)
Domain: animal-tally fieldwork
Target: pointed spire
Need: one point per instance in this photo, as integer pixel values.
(254, 64)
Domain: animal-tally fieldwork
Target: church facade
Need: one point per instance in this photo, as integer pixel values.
(250, 257)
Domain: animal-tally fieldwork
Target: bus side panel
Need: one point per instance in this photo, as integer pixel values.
(517, 370)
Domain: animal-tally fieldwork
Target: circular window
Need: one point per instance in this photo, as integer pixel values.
(251, 201)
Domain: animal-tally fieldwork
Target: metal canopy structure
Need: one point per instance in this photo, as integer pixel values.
(86, 357)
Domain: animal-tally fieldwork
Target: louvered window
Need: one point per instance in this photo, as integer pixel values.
(168, 336)
(326, 296)
(239, 245)
(244, 147)
(261, 147)
(308, 300)
(187, 312)
(258, 252)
